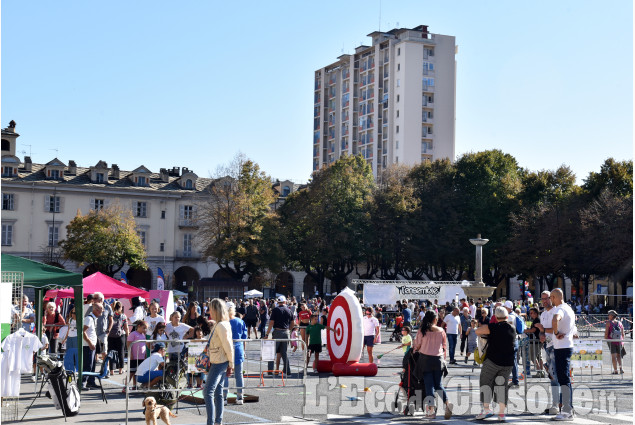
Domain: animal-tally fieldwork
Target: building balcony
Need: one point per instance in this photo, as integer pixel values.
(187, 255)
(188, 223)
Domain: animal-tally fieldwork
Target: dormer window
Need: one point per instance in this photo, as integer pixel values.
(55, 174)
(188, 179)
(8, 171)
(99, 178)
(286, 191)
(140, 176)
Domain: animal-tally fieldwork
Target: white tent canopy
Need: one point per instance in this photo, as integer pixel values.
(254, 293)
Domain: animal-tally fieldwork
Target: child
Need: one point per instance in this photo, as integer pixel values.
(159, 333)
(197, 334)
(294, 335)
(44, 349)
(137, 352)
(406, 339)
(314, 330)
(471, 338)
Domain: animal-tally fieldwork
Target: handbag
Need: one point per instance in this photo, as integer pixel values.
(202, 361)
(623, 351)
(478, 357)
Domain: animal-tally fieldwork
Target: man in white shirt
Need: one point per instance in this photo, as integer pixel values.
(453, 329)
(371, 332)
(546, 318)
(472, 308)
(90, 342)
(563, 326)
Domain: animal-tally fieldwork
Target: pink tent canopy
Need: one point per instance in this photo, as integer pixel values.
(99, 282)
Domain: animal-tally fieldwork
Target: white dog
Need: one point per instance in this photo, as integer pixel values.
(154, 411)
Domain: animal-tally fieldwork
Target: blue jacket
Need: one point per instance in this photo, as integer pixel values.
(239, 331)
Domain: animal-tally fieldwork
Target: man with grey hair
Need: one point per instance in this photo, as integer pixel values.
(90, 342)
(546, 318)
(104, 323)
(563, 328)
(465, 325)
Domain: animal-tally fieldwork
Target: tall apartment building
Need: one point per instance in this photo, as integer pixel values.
(392, 102)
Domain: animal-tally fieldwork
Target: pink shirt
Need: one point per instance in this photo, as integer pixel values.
(138, 351)
(433, 344)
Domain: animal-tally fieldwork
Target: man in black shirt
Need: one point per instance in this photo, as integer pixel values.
(280, 321)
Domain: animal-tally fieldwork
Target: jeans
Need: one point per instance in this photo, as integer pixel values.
(563, 358)
(238, 373)
(515, 367)
(432, 382)
(551, 364)
(452, 345)
(149, 376)
(213, 393)
(89, 363)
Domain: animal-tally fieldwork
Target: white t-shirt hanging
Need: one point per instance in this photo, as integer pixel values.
(18, 349)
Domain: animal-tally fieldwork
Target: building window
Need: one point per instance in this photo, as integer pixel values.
(163, 214)
(141, 181)
(396, 160)
(187, 245)
(98, 204)
(398, 67)
(397, 144)
(397, 129)
(142, 236)
(54, 174)
(141, 209)
(7, 201)
(8, 172)
(162, 247)
(398, 51)
(398, 82)
(52, 204)
(189, 184)
(54, 233)
(7, 234)
(99, 178)
(6, 145)
(397, 98)
(397, 113)
(286, 191)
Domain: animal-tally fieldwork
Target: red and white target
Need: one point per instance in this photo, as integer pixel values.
(346, 341)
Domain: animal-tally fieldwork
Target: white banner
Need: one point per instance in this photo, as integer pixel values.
(390, 293)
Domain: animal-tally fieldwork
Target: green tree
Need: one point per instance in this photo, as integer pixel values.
(616, 176)
(105, 238)
(234, 219)
(325, 224)
(488, 185)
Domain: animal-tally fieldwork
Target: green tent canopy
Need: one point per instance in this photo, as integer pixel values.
(43, 277)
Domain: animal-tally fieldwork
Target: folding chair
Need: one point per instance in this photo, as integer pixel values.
(104, 372)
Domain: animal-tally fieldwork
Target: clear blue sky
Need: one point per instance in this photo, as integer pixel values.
(191, 83)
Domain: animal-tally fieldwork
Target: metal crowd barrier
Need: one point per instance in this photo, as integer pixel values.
(583, 366)
(177, 378)
(596, 323)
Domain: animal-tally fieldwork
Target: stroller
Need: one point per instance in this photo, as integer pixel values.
(396, 333)
(409, 397)
(167, 392)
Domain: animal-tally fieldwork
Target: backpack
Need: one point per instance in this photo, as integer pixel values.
(520, 324)
(117, 325)
(616, 331)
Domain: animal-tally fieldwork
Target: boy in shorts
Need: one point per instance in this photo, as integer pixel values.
(137, 351)
(314, 331)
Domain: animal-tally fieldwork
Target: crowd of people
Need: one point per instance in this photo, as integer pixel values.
(429, 328)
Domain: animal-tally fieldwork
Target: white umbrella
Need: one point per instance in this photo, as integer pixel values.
(253, 294)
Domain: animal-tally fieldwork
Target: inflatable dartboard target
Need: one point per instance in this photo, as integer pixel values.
(346, 341)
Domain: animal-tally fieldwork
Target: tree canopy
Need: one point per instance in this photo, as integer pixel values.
(105, 238)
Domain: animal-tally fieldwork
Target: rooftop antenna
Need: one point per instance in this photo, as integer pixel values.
(23, 152)
(379, 22)
(56, 151)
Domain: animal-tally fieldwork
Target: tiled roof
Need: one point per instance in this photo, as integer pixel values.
(82, 178)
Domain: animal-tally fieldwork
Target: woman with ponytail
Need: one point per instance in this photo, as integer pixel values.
(431, 342)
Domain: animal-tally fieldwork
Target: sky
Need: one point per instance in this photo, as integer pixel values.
(193, 83)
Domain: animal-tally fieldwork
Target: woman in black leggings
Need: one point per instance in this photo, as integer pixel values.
(116, 340)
